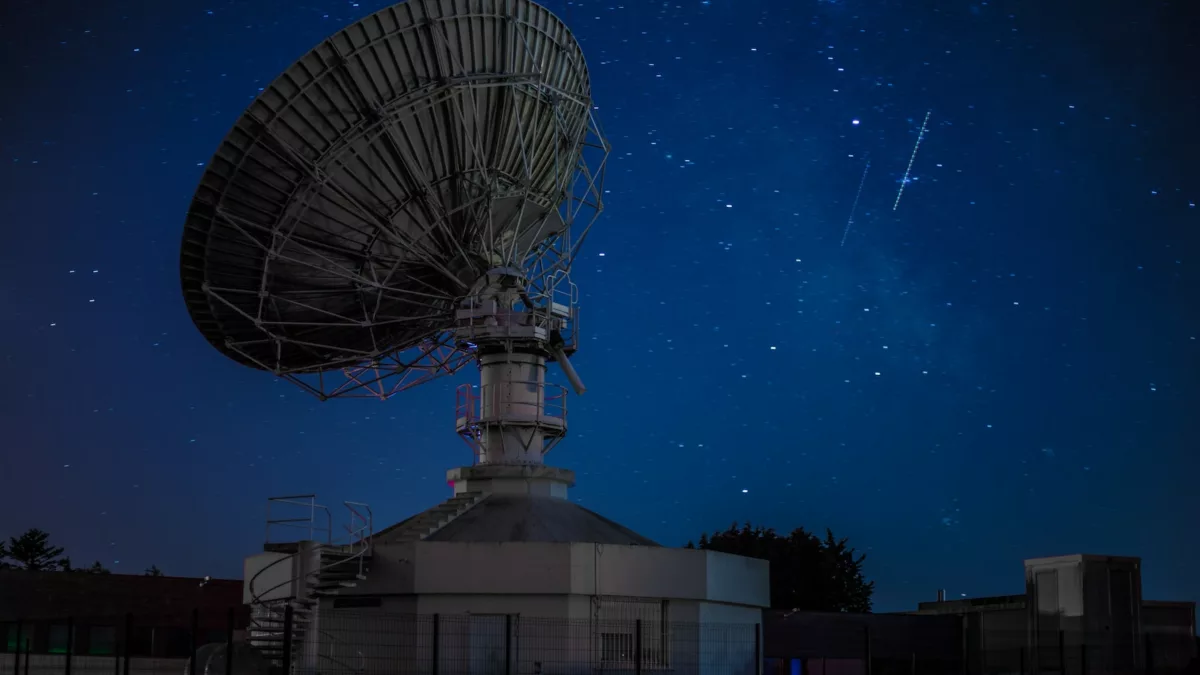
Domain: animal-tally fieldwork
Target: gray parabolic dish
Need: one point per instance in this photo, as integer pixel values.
(369, 186)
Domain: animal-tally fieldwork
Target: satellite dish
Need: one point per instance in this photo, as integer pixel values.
(406, 198)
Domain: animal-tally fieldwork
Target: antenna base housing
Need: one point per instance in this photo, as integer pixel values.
(536, 480)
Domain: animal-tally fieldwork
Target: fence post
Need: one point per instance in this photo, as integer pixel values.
(1083, 658)
(229, 643)
(758, 649)
(1062, 651)
(195, 636)
(507, 644)
(964, 628)
(28, 651)
(637, 647)
(127, 645)
(17, 653)
(128, 642)
(867, 648)
(288, 618)
(70, 644)
(433, 667)
(1021, 651)
(1149, 656)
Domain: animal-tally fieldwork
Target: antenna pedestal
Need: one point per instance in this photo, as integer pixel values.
(514, 417)
(529, 479)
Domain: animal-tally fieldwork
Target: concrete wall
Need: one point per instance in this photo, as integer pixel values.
(551, 607)
(271, 576)
(640, 571)
(1085, 612)
(737, 579)
(445, 569)
(998, 641)
(548, 606)
(1112, 591)
(1169, 618)
(1170, 634)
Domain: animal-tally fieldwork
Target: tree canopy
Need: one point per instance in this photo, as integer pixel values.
(32, 551)
(807, 572)
(96, 568)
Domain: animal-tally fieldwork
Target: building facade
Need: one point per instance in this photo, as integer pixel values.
(56, 613)
(1079, 614)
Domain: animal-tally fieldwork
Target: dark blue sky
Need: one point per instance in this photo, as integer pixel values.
(1006, 366)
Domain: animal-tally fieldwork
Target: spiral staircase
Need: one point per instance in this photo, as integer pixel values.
(290, 588)
(313, 567)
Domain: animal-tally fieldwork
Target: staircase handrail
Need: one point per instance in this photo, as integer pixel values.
(360, 535)
(256, 598)
(309, 501)
(364, 531)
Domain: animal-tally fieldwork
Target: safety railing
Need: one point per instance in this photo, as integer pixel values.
(361, 528)
(307, 522)
(362, 525)
(483, 316)
(562, 302)
(512, 401)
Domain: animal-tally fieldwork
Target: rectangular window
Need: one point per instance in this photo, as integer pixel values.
(616, 648)
(14, 637)
(59, 639)
(622, 614)
(102, 640)
(8, 636)
(353, 602)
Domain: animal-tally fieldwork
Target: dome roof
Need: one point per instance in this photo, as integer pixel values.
(528, 518)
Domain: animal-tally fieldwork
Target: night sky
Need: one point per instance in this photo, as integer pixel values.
(1005, 366)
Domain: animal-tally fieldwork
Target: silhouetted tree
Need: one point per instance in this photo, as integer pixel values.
(153, 571)
(32, 551)
(96, 568)
(807, 573)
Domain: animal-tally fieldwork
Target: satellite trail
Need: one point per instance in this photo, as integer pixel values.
(911, 159)
(850, 221)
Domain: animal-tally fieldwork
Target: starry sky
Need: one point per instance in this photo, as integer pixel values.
(1005, 366)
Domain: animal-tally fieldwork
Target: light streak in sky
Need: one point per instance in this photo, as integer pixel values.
(911, 159)
(856, 196)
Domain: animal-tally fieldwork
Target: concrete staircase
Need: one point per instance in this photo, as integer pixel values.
(338, 567)
(429, 522)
